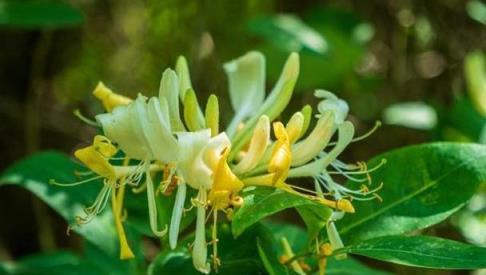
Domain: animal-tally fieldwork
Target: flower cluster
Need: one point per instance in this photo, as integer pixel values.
(170, 135)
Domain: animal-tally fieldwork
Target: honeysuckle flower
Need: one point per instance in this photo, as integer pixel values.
(203, 166)
(246, 77)
(108, 98)
(272, 105)
(187, 147)
(97, 157)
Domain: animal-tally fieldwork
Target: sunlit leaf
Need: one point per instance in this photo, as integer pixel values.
(475, 73)
(289, 33)
(423, 185)
(417, 115)
(422, 251)
(477, 11)
(263, 201)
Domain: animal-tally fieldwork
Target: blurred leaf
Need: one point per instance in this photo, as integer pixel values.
(295, 235)
(39, 14)
(416, 115)
(422, 251)
(423, 185)
(467, 120)
(477, 11)
(344, 36)
(288, 33)
(261, 202)
(238, 256)
(57, 263)
(269, 258)
(472, 219)
(475, 73)
(315, 218)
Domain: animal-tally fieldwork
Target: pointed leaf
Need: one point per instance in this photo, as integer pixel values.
(423, 185)
(422, 251)
(263, 201)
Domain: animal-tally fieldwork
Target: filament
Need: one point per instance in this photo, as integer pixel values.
(84, 119)
(54, 182)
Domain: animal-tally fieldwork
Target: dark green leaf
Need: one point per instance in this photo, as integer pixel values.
(315, 218)
(422, 251)
(58, 263)
(268, 251)
(349, 266)
(423, 185)
(238, 256)
(39, 14)
(467, 120)
(263, 201)
(297, 239)
(34, 173)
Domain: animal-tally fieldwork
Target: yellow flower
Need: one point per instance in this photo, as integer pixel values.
(108, 98)
(96, 157)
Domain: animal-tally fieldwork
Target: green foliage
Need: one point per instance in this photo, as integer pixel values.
(422, 251)
(34, 174)
(261, 202)
(39, 14)
(238, 256)
(423, 185)
(330, 44)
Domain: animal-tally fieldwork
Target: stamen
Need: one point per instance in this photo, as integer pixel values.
(84, 119)
(82, 173)
(54, 182)
(139, 189)
(216, 260)
(365, 135)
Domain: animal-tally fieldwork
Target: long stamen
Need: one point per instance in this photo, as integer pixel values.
(216, 261)
(365, 135)
(84, 119)
(54, 182)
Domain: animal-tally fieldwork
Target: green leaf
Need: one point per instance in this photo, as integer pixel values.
(261, 202)
(297, 239)
(423, 185)
(475, 74)
(34, 173)
(422, 251)
(315, 218)
(268, 251)
(57, 263)
(39, 14)
(288, 33)
(467, 120)
(238, 256)
(416, 115)
(349, 266)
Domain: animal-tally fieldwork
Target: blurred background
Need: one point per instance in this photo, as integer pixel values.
(417, 66)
